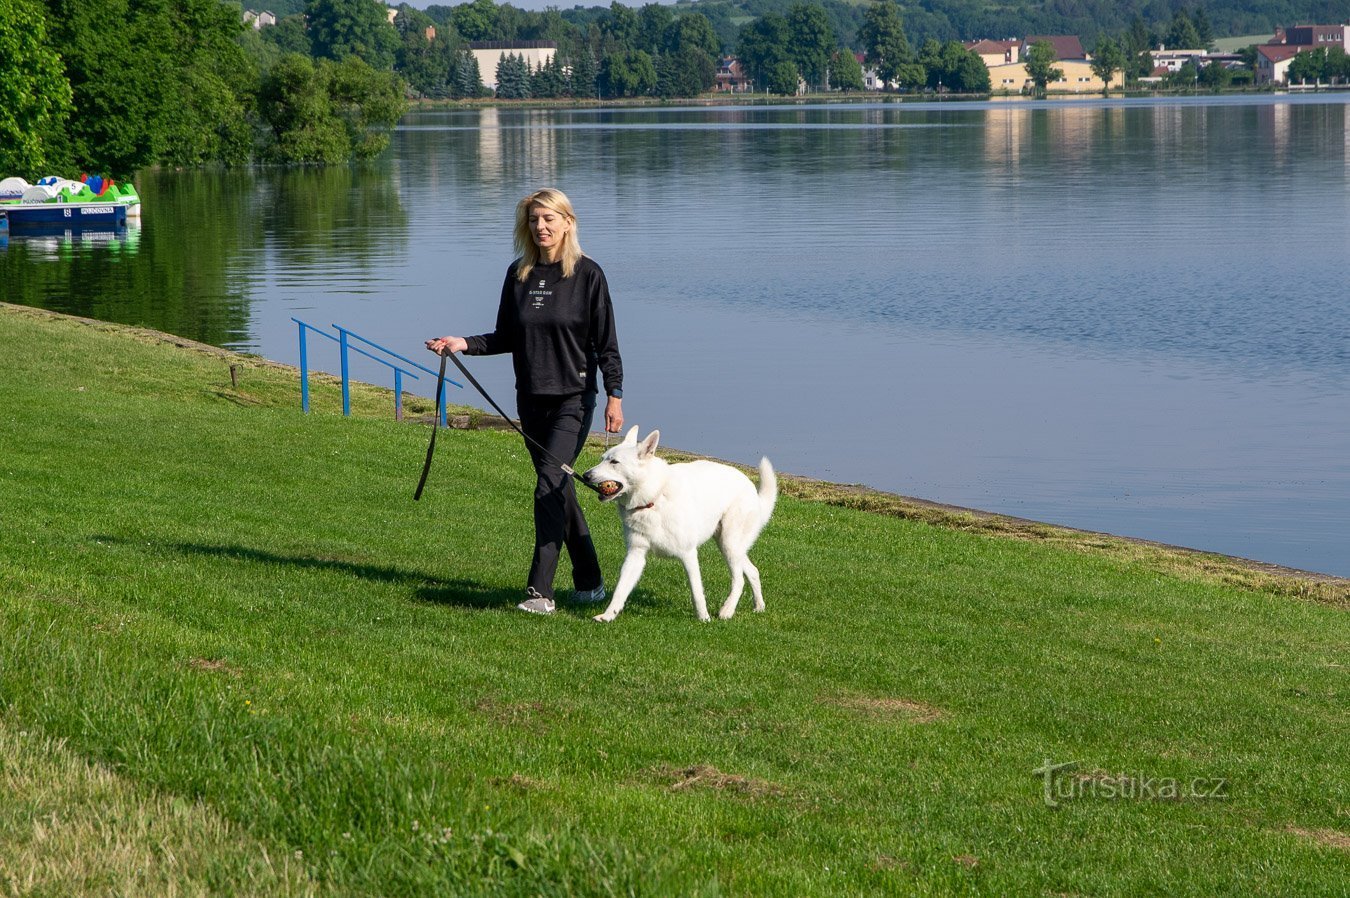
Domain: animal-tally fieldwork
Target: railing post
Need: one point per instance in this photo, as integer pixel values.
(346, 383)
(398, 394)
(304, 371)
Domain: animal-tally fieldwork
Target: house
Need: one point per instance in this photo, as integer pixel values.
(1313, 36)
(489, 53)
(731, 78)
(1169, 61)
(1070, 58)
(1272, 61)
(259, 20)
(996, 52)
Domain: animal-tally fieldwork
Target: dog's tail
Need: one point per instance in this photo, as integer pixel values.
(768, 490)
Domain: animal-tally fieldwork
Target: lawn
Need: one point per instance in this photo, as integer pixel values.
(237, 658)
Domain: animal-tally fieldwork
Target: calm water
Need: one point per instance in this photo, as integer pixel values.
(1124, 316)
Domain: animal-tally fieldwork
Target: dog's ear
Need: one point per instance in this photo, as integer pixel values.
(630, 438)
(649, 444)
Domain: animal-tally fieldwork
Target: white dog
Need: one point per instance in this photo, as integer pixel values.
(674, 509)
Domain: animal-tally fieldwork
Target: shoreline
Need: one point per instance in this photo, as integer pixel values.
(1328, 589)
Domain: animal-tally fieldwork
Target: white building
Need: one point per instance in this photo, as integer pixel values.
(490, 53)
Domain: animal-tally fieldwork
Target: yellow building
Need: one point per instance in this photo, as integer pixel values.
(1078, 78)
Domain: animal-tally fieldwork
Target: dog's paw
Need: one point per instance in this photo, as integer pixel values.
(604, 618)
(726, 613)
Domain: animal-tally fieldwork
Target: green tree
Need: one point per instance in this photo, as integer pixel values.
(845, 71)
(303, 126)
(693, 31)
(425, 63)
(468, 79)
(585, 69)
(783, 78)
(513, 77)
(119, 86)
(289, 35)
(1108, 59)
(342, 28)
(627, 74)
(811, 41)
(213, 85)
(34, 94)
(475, 21)
(1181, 34)
(1308, 66)
(763, 45)
(884, 42)
(1040, 64)
(368, 102)
(1216, 77)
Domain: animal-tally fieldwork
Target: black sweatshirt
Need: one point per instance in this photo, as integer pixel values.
(558, 330)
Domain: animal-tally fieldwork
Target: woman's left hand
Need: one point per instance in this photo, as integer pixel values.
(613, 414)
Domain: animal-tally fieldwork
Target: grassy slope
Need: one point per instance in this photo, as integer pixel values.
(229, 605)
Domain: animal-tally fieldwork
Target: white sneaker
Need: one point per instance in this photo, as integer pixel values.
(536, 603)
(589, 596)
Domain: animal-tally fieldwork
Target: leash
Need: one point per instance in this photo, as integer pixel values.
(435, 426)
(454, 357)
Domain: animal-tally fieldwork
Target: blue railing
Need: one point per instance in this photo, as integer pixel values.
(344, 340)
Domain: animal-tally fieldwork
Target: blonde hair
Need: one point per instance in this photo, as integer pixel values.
(549, 198)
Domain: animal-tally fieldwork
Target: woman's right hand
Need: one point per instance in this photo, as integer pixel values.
(447, 345)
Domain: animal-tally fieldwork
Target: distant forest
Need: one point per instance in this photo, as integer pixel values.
(945, 20)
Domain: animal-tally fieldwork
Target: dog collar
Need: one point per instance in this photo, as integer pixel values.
(643, 507)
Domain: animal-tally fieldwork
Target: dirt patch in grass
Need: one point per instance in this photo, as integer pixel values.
(214, 665)
(532, 716)
(1329, 837)
(706, 776)
(519, 782)
(906, 709)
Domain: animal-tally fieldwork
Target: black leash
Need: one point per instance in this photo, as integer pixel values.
(435, 426)
(454, 357)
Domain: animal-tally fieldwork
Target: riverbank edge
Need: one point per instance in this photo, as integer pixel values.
(867, 98)
(1324, 589)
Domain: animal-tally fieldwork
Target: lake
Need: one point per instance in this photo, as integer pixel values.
(1126, 315)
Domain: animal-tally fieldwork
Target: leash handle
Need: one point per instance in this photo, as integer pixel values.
(435, 426)
(567, 469)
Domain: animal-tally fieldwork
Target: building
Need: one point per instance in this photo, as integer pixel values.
(996, 52)
(1167, 61)
(1273, 59)
(1313, 36)
(1070, 58)
(731, 78)
(1272, 62)
(257, 20)
(489, 53)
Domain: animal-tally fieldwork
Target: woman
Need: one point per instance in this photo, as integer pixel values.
(556, 320)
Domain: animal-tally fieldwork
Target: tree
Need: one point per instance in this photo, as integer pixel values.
(845, 71)
(783, 78)
(342, 28)
(367, 101)
(1040, 65)
(34, 94)
(119, 86)
(811, 41)
(1181, 34)
(475, 21)
(1108, 60)
(763, 45)
(584, 72)
(296, 107)
(887, 47)
(693, 31)
(1216, 77)
(513, 77)
(468, 79)
(631, 74)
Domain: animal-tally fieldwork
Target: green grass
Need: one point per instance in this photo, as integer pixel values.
(220, 606)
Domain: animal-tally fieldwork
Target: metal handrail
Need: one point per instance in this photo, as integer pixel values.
(344, 342)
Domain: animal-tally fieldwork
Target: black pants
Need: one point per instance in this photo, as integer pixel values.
(561, 424)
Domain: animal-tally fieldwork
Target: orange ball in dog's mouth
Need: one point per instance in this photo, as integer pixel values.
(609, 488)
